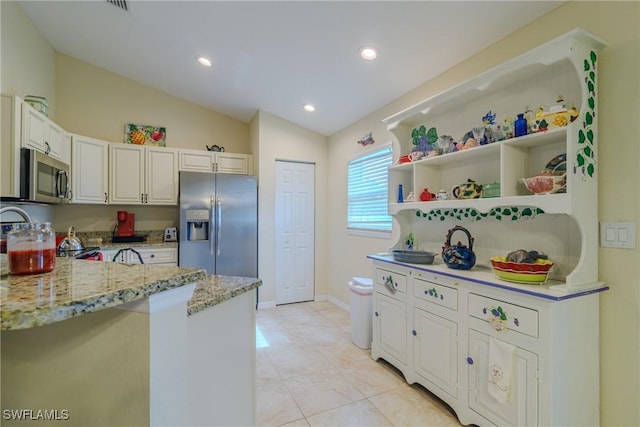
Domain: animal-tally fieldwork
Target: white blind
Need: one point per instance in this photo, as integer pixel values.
(367, 191)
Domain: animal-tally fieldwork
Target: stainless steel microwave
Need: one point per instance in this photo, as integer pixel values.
(42, 178)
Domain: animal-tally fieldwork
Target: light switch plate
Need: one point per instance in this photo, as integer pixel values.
(618, 235)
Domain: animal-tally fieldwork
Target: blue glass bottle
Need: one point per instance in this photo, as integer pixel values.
(400, 196)
(520, 126)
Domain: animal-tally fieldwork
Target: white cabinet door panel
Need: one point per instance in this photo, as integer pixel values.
(90, 170)
(126, 174)
(391, 331)
(522, 407)
(435, 350)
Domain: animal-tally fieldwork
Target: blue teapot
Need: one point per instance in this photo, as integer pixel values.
(458, 257)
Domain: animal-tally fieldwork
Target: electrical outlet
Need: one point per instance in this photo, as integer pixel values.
(618, 235)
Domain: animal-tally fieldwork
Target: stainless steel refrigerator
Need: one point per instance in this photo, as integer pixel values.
(219, 223)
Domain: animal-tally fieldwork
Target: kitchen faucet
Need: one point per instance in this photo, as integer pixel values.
(17, 210)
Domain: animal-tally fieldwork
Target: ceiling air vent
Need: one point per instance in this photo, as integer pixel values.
(122, 4)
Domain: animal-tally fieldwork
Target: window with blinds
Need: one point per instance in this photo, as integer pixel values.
(367, 192)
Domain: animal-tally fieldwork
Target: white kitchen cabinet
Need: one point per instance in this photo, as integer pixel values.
(154, 255)
(89, 170)
(390, 330)
(564, 66)
(126, 174)
(451, 318)
(42, 134)
(108, 255)
(143, 175)
(522, 409)
(161, 176)
(214, 161)
(233, 163)
(150, 255)
(435, 350)
(390, 316)
(11, 131)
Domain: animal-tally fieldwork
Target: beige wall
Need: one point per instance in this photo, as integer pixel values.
(619, 108)
(27, 65)
(283, 140)
(95, 102)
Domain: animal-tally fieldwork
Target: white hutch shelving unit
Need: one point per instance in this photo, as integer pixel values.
(435, 323)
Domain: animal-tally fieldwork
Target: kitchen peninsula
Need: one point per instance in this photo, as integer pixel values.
(97, 343)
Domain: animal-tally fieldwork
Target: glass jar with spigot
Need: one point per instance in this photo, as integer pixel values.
(31, 248)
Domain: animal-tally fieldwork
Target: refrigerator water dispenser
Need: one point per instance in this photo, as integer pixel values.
(197, 224)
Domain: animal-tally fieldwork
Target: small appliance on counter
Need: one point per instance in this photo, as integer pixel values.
(125, 229)
(170, 234)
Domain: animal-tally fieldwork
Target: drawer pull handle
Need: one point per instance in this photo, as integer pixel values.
(516, 322)
(497, 318)
(376, 313)
(469, 361)
(388, 283)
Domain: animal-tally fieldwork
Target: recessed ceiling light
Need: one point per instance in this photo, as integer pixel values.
(204, 61)
(368, 53)
(310, 108)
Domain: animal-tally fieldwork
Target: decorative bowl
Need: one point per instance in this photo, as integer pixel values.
(413, 257)
(546, 183)
(536, 272)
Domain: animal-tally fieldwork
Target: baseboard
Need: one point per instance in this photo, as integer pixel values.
(339, 303)
(263, 305)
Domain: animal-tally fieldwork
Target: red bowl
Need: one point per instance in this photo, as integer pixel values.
(404, 159)
(540, 266)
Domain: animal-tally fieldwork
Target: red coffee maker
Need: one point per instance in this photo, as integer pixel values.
(125, 224)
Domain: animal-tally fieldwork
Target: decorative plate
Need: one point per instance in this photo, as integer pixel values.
(557, 165)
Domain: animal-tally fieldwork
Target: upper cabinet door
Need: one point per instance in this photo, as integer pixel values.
(90, 170)
(126, 174)
(232, 163)
(218, 162)
(34, 127)
(196, 160)
(40, 133)
(161, 176)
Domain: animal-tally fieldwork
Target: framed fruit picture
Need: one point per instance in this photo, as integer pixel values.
(145, 135)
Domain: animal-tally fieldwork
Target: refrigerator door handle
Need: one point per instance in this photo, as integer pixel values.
(219, 225)
(212, 224)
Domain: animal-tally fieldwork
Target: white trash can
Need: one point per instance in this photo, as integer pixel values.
(361, 299)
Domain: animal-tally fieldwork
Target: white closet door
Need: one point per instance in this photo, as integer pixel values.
(295, 207)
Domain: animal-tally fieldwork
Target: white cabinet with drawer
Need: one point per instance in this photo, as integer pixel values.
(149, 255)
(435, 325)
(390, 317)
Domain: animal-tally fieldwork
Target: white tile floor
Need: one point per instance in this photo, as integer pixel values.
(311, 374)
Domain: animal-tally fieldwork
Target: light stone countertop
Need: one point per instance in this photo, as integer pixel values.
(216, 289)
(78, 287)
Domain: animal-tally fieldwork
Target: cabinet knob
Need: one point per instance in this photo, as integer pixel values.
(152, 255)
(376, 313)
(469, 361)
(414, 333)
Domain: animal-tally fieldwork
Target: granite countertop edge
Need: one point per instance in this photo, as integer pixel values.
(216, 289)
(22, 314)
